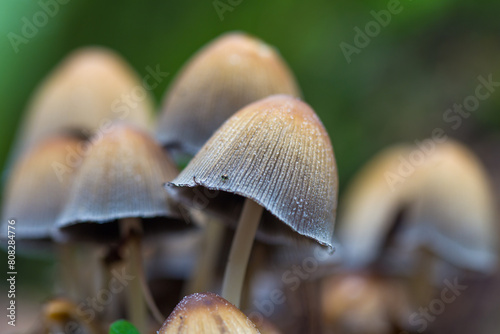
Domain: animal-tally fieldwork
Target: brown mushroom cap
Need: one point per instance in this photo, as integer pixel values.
(277, 153)
(85, 92)
(38, 187)
(224, 76)
(206, 313)
(121, 177)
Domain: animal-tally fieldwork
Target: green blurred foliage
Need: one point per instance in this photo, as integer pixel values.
(122, 327)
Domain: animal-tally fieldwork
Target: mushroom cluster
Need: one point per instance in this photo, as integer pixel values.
(91, 181)
(221, 211)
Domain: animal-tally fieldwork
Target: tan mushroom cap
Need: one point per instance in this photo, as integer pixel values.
(370, 205)
(206, 313)
(277, 153)
(38, 186)
(446, 200)
(454, 210)
(86, 92)
(224, 76)
(121, 177)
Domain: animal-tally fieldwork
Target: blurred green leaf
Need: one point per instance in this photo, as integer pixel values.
(122, 327)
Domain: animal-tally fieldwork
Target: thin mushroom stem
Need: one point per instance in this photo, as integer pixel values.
(203, 276)
(140, 298)
(68, 268)
(421, 281)
(136, 304)
(240, 251)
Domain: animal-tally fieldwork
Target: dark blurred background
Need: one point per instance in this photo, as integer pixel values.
(397, 87)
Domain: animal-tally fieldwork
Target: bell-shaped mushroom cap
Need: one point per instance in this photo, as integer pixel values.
(370, 206)
(89, 89)
(454, 212)
(441, 201)
(38, 186)
(223, 77)
(120, 177)
(206, 313)
(277, 153)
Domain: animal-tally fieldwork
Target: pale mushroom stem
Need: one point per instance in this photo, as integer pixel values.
(240, 251)
(68, 268)
(203, 275)
(139, 298)
(422, 281)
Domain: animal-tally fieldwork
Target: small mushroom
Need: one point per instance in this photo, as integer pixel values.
(120, 180)
(224, 76)
(86, 92)
(206, 313)
(281, 170)
(63, 316)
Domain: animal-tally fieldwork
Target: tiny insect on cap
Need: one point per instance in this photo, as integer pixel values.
(121, 177)
(87, 91)
(277, 153)
(224, 76)
(207, 313)
(39, 184)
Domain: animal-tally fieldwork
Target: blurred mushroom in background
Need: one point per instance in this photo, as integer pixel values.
(222, 77)
(425, 224)
(34, 196)
(77, 101)
(116, 195)
(86, 92)
(63, 316)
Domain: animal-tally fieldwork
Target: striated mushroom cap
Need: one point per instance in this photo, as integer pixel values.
(277, 153)
(121, 177)
(38, 186)
(86, 92)
(224, 76)
(206, 313)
